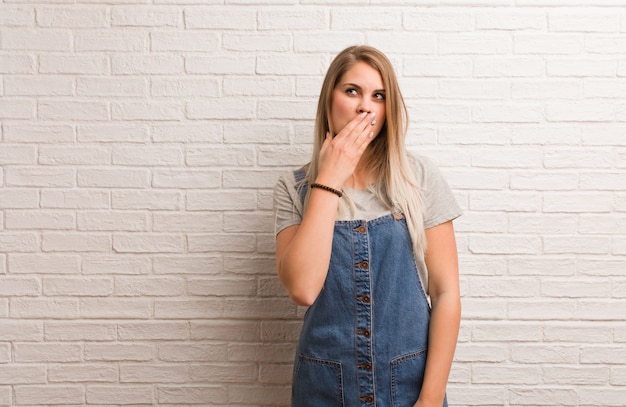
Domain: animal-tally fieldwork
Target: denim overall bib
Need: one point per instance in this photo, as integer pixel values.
(364, 340)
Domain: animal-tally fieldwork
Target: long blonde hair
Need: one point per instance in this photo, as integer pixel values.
(396, 185)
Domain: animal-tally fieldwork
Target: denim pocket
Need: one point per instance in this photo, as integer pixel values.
(407, 375)
(317, 382)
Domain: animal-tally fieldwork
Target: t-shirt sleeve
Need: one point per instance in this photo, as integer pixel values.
(287, 203)
(440, 205)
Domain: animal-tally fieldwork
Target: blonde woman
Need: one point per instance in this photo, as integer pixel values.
(364, 238)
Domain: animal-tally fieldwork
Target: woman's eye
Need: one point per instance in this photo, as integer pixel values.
(379, 96)
(351, 91)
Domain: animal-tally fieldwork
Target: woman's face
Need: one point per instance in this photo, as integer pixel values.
(360, 89)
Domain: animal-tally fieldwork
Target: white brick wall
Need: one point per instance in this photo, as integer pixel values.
(140, 141)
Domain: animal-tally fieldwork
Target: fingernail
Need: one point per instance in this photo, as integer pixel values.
(371, 134)
(362, 115)
(327, 134)
(373, 115)
(373, 122)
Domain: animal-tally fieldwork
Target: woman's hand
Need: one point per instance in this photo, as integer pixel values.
(340, 155)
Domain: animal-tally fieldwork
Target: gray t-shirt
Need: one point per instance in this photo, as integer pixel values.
(439, 203)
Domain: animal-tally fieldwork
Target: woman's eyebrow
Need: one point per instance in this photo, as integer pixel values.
(354, 85)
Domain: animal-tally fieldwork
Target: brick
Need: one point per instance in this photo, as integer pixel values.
(19, 286)
(321, 41)
(582, 67)
(116, 264)
(33, 86)
(147, 243)
(99, 394)
(20, 331)
(231, 373)
(520, 375)
(17, 109)
(18, 242)
(90, 373)
(53, 155)
(76, 287)
(23, 374)
(515, 67)
(576, 158)
(73, 110)
(112, 221)
(84, 65)
(154, 374)
(230, 242)
(354, 19)
(17, 16)
(75, 242)
(541, 135)
(16, 64)
(187, 133)
(185, 222)
(186, 179)
(206, 87)
(104, 352)
(79, 17)
(147, 199)
(48, 352)
(587, 21)
(602, 181)
(115, 308)
(150, 331)
(150, 111)
(258, 133)
(188, 41)
(510, 20)
(197, 352)
(79, 331)
(50, 394)
(188, 265)
(226, 330)
(257, 41)
(146, 65)
(111, 40)
(112, 133)
(146, 17)
(547, 89)
(192, 309)
(18, 154)
(95, 86)
(507, 113)
(248, 393)
(241, 86)
(113, 178)
(302, 18)
(586, 333)
(224, 200)
(39, 177)
(219, 156)
(153, 286)
(36, 40)
(474, 89)
(224, 108)
(544, 397)
(38, 134)
(43, 264)
(547, 43)
(192, 394)
(433, 20)
(147, 156)
(220, 18)
(222, 287)
(220, 65)
(75, 199)
(479, 43)
(290, 65)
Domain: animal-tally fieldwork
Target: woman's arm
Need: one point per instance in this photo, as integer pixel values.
(303, 251)
(443, 286)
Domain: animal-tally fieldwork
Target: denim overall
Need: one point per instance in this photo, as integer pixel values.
(364, 340)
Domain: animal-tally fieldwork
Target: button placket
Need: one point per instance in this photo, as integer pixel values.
(363, 321)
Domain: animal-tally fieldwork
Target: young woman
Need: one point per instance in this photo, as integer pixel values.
(365, 239)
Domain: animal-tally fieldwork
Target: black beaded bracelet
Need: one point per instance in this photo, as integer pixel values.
(327, 188)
